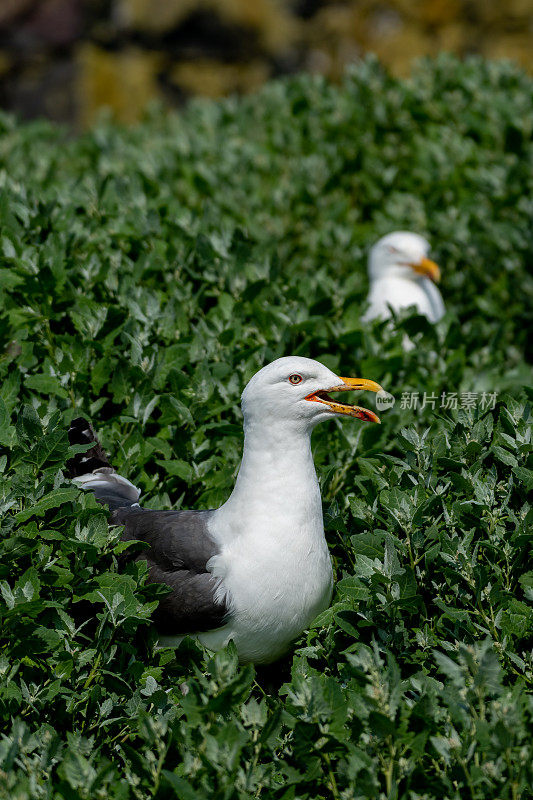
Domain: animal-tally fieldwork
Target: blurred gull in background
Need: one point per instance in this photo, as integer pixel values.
(402, 275)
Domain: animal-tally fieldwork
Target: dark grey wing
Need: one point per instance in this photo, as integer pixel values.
(179, 547)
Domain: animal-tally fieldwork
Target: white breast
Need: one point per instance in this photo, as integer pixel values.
(274, 565)
(277, 580)
(401, 293)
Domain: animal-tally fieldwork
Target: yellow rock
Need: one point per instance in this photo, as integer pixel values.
(333, 22)
(400, 30)
(270, 19)
(332, 40)
(123, 81)
(398, 49)
(517, 47)
(430, 12)
(454, 38)
(397, 31)
(520, 8)
(5, 63)
(153, 16)
(211, 78)
(490, 12)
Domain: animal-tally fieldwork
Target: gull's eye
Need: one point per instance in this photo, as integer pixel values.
(391, 250)
(294, 379)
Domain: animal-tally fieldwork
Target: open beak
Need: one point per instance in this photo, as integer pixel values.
(348, 385)
(428, 268)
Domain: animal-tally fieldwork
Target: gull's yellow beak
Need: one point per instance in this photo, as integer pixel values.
(428, 268)
(347, 385)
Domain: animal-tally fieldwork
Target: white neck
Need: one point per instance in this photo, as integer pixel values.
(397, 271)
(276, 484)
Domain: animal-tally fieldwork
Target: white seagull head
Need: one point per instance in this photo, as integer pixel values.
(294, 392)
(403, 255)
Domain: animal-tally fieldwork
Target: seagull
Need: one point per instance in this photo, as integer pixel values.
(257, 570)
(402, 275)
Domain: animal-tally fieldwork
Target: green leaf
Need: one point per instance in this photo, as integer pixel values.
(46, 384)
(54, 499)
(177, 467)
(182, 787)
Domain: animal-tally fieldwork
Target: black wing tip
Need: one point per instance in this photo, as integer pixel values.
(81, 432)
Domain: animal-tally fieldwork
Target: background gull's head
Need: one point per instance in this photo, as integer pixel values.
(402, 254)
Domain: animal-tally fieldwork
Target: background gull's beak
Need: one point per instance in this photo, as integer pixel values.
(428, 268)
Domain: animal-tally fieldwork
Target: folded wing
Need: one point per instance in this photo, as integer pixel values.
(178, 542)
(179, 547)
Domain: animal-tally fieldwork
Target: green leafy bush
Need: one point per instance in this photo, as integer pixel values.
(146, 274)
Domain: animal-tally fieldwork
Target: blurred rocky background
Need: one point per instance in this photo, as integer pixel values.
(67, 59)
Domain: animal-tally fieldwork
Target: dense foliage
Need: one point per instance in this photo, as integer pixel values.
(146, 274)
